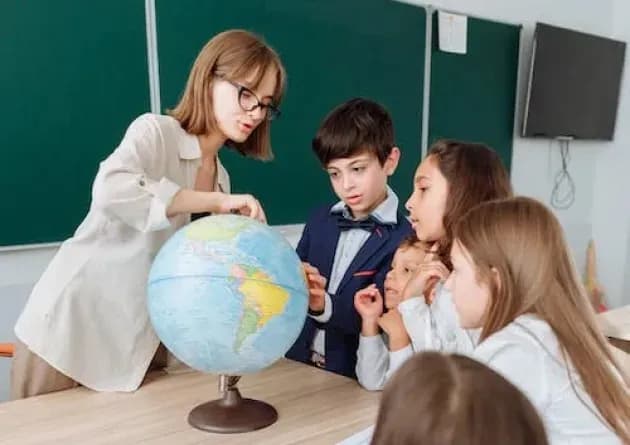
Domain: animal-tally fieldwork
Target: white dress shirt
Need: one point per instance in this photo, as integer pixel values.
(428, 326)
(348, 246)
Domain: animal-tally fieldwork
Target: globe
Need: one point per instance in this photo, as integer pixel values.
(227, 295)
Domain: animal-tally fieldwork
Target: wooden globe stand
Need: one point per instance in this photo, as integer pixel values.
(232, 413)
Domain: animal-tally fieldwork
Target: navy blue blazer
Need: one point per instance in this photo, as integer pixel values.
(317, 247)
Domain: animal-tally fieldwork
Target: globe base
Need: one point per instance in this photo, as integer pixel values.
(232, 414)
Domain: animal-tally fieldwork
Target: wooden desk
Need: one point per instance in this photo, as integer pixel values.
(615, 324)
(314, 406)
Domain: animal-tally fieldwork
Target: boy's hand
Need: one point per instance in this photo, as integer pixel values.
(316, 288)
(369, 303)
(424, 280)
(392, 324)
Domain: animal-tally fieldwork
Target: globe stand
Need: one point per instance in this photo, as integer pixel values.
(232, 413)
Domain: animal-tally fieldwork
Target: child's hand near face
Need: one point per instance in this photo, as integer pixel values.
(423, 281)
(369, 304)
(392, 324)
(316, 288)
(392, 298)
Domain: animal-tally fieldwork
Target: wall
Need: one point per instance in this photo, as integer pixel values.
(611, 203)
(18, 271)
(599, 169)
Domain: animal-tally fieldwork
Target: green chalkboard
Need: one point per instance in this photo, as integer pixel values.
(73, 76)
(473, 94)
(333, 51)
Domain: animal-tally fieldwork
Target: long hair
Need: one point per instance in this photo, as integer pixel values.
(522, 241)
(233, 54)
(437, 399)
(475, 174)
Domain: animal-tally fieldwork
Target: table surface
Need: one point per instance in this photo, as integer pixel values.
(314, 406)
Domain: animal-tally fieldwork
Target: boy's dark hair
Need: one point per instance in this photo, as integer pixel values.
(412, 240)
(354, 127)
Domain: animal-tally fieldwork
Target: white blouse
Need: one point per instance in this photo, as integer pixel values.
(527, 353)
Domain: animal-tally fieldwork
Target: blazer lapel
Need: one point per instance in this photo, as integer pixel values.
(327, 246)
(374, 243)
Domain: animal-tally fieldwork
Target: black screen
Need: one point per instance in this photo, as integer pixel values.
(574, 84)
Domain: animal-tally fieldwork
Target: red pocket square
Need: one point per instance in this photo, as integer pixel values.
(364, 273)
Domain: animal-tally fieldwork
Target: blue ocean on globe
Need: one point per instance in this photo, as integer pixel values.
(227, 295)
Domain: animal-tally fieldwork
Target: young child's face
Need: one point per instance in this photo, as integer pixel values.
(233, 121)
(427, 203)
(360, 181)
(471, 298)
(405, 262)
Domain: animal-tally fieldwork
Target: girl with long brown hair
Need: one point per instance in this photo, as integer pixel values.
(514, 279)
(454, 177)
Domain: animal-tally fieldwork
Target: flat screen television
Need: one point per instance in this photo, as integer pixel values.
(574, 84)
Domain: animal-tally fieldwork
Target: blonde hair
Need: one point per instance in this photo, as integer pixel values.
(521, 240)
(233, 54)
(460, 401)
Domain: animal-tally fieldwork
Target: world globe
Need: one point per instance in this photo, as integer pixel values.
(227, 295)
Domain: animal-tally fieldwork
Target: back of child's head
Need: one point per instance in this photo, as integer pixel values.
(352, 128)
(474, 173)
(518, 249)
(437, 399)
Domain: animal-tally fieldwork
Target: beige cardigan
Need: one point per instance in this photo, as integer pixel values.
(87, 315)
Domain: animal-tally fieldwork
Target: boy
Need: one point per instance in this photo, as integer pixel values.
(380, 355)
(350, 245)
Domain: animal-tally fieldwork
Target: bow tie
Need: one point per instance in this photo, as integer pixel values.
(368, 224)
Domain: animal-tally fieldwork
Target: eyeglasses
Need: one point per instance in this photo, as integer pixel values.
(248, 101)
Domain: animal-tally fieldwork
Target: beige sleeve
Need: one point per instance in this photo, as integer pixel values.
(129, 184)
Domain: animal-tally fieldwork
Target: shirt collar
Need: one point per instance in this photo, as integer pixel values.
(386, 212)
(190, 149)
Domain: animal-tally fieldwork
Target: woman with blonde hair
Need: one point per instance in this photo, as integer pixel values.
(454, 400)
(86, 320)
(513, 278)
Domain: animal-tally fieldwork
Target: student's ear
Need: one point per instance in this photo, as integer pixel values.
(496, 278)
(392, 161)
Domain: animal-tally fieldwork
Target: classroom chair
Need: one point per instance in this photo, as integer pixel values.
(6, 349)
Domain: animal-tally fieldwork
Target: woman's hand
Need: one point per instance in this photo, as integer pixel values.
(195, 201)
(245, 205)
